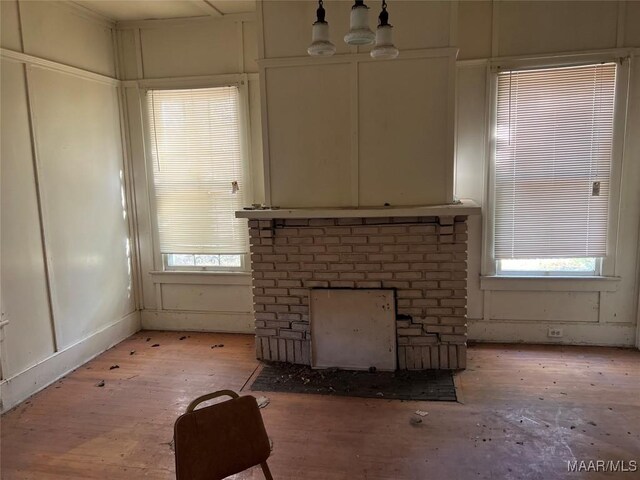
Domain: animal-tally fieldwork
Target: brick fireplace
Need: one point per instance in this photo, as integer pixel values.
(421, 257)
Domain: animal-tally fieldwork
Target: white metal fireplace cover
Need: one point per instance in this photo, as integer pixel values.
(353, 329)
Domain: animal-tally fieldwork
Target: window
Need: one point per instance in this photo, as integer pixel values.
(199, 177)
(553, 150)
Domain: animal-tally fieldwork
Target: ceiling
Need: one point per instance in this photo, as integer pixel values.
(154, 9)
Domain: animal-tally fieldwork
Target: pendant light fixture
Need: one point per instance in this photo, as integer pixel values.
(359, 31)
(384, 40)
(320, 44)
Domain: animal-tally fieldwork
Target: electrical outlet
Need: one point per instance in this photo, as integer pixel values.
(554, 332)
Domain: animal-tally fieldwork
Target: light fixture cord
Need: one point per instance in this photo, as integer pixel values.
(320, 13)
(383, 18)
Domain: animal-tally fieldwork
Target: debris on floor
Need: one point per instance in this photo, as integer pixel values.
(148, 339)
(415, 420)
(399, 385)
(171, 444)
(263, 401)
(218, 345)
(132, 352)
(182, 337)
(100, 383)
(113, 367)
(155, 345)
(422, 413)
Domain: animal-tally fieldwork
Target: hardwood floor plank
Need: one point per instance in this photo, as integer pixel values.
(528, 410)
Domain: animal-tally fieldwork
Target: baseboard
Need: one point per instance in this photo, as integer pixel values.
(228, 322)
(30, 381)
(596, 334)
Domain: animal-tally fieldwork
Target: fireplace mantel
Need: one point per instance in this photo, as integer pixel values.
(464, 207)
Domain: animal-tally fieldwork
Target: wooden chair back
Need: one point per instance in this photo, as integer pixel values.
(214, 442)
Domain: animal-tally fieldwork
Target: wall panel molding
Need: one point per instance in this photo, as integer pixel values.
(56, 66)
(228, 322)
(180, 22)
(88, 14)
(24, 384)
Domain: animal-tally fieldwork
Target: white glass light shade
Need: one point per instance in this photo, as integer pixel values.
(320, 44)
(359, 31)
(384, 43)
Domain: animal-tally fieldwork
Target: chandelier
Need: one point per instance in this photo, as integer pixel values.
(359, 32)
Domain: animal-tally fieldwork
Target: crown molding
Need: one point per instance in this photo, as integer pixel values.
(186, 21)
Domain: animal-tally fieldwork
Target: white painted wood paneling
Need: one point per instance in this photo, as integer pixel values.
(287, 26)
(28, 338)
(144, 9)
(309, 135)
(61, 34)
(199, 49)
(142, 184)
(127, 41)
(257, 169)
(81, 175)
(199, 321)
(574, 333)
(207, 298)
(21, 386)
(234, 6)
(474, 29)
(632, 24)
(10, 25)
(545, 306)
(250, 46)
(404, 123)
(416, 25)
(471, 134)
(552, 26)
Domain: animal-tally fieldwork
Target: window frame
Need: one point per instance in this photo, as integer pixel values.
(606, 265)
(241, 81)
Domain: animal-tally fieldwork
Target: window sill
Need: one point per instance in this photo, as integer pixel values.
(547, 283)
(201, 277)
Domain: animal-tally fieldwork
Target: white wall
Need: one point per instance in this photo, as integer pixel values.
(600, 312)
(66, 279)
(190, 53)
(357, 131)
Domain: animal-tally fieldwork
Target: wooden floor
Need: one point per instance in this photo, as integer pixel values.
(527, 411)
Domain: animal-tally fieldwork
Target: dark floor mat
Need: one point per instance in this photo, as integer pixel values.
(400, 385)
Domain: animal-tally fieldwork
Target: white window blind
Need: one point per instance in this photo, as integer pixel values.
(197, 157)
(553, 161)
